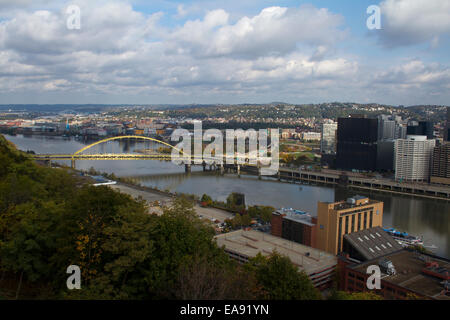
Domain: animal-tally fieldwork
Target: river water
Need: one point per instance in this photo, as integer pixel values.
(418, 216)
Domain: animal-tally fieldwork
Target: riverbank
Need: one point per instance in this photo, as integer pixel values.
(349, 181)
(422, 216)
(157, 199)
(151, 195)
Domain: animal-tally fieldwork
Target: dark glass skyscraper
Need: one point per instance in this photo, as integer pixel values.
(424, 128)
(357, 143)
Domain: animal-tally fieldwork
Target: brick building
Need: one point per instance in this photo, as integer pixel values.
(417, 276)
(295, 225)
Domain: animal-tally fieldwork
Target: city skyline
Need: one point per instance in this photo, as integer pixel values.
(224, 52)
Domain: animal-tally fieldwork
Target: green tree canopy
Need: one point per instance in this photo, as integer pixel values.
(281, 280)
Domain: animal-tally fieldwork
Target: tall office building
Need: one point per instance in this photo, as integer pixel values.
(412, 158)
(447, 127)
(385, 155)
(334, 220)
(328, 138)
(390, 127)
(440, 167)
(386, 127)
(422, 128)
(400, 131)
(388, 131)
(357, 138)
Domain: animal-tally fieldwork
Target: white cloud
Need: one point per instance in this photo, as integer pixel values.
(274, 30)
(276, 54)
(408, 22)
(415, 73)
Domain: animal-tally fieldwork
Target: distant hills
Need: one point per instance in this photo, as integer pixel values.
(95, 108)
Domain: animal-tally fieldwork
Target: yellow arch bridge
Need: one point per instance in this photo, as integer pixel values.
(181, 158)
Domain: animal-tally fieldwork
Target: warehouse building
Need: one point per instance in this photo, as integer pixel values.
(243, 245)
(369, 244)
(416, 275)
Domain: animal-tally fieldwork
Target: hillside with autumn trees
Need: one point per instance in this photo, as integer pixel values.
(51, 219)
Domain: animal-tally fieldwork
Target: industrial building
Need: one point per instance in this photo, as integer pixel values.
(334, 220)
(242, 245)
(369, 244)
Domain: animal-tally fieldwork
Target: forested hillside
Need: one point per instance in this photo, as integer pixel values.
(49, 220)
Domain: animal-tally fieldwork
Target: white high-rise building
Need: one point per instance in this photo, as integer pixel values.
(412, 158)
(328, 138)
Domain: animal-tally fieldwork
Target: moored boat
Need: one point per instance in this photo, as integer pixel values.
(404, 238)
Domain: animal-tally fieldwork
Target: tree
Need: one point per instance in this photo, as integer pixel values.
(206, 199)
(50, 220)
(203, 278)
(236, 201)
(246, 220)
(125, 254)
(29, 244)
(177, 235)
(280, 279)
(236, 222)
(262, 212)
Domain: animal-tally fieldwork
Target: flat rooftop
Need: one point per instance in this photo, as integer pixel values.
(409, 275)
(358, 202)
(296, 215)
(250, 243)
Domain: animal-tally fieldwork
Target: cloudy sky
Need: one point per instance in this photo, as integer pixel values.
(233, 51)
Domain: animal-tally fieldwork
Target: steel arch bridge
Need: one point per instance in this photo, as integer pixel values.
(125, 137)
(78, 155)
